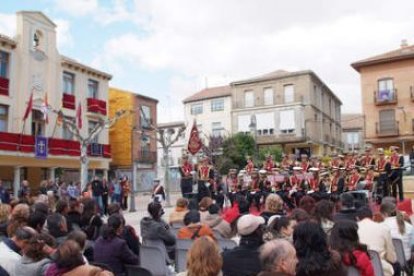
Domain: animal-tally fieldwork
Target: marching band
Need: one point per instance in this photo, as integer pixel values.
(293, 178)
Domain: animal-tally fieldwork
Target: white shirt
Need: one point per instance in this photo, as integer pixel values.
(8, 259)
(407, 237)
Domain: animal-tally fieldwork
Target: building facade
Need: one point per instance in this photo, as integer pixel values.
(387, 98)
(31, 64)
(211, 108)
(133, 138)
(353, 132)
(296, 110)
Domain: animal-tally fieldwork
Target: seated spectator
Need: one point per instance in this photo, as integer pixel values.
(280, 228)
(73, 216)
(177, 216)
(193, 204)
(344, 239)
(69, 262)
(313, 253)
(203, 206)
(19, 217)
(244, 259)
(4, 219)
(324, 210)
(37, 221)
(378, 238)
(348, 210)
(57, 227)
(307, 203)
(193, 228)
(91, 222)
(399, 228)
(203, 258)
(11, 248)
(213, 217)
(35, 260)
(278, 258)
(273, 207)
(155, 228)
(111, 250)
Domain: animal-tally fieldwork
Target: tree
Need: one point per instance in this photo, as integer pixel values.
(274, 150)
(235, 150)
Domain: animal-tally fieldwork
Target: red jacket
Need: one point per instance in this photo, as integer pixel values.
(363, 263)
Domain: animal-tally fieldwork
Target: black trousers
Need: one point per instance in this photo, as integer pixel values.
(186, 187)
(383, 186)
(203, 190)
(396, 183)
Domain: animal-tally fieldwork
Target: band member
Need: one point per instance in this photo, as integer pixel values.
(304, 163)
(297, 184)
(253, 188)
(250, 165)
(353, 179)
(286, 163)
(269, 164)
(314, 180)
(397, 165)
(335, 161)
(384, 168)
(349, 161)
(205, 179)
(369, 179)
(232, 185)
(186, 177)
(315, 162)
(337, 181)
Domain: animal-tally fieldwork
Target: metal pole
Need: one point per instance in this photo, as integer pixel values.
(167, 178)
(133, 174)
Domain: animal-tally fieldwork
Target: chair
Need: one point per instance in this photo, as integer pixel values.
(181, 249)
(399, 250)
(160, 245)
(376, 263)
(153, 259)
(135, 270)
(226, 244)
(352, 271)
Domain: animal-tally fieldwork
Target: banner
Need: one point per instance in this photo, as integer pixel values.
(96, 149)
(41, 148)
(194, 143)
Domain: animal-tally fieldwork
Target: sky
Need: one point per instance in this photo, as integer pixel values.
(171, 49)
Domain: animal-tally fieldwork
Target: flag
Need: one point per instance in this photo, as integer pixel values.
(194, 143)
(45, 109)
(29, 107)
(79, 116)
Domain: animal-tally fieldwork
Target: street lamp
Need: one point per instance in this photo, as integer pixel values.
(133, 172)
(253, 132)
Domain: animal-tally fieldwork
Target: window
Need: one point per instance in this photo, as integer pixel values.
(91, 126)
(93, 89)
(4, 117)
(4, 64)
(216, 129)
(217, 105)
(38, 123)
(248, 98)
(243, 123)
(145, 145)
(268, 96)
(66, 134)
(265, 122)
(385, 90)
(352, 140)
(287, 121)
(145, 115)
(289, 93)
(68, 83)
(196, 109)
(387, 120)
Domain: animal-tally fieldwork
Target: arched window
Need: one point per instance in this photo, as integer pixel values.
(37, 37)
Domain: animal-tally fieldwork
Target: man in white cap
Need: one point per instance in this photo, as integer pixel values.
(383, 168)
(397, 166)
(244, 259)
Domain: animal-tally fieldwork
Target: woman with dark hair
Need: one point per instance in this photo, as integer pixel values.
(69, 262)
(324, 214)
(307, 203)
(315, 258)
(344, 239)
(111, 250)
(280, 228)
(90, 220)
(300, 215)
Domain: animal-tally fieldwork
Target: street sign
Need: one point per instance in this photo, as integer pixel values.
(41, 148)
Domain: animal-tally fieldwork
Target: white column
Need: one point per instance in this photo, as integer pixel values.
(16, 181)
(105, 174)
(51, 174)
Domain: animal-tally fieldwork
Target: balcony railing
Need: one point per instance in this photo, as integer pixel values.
(4, 86)
(384, 97)
(96, 106)
(68, 101)
(389, 128)
(148, 157)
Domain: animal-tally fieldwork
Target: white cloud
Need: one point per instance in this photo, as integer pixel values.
(76, 7)
(7, 24)
(64, 36)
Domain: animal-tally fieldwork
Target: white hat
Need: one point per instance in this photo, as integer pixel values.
(297, 168)
(247, 224)
(263, 172)
(314, 169)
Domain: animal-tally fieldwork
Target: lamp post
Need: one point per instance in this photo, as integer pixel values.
(253, 132)
(133, 173)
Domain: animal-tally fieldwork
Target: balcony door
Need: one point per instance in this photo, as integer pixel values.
(385, 90)
(387, 121)
(38, 123)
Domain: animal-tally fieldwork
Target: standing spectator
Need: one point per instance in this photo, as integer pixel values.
(177, 216)
(73, 191)
(244, 259)
(412, 160)
(193, 229)
(37, 221)
(324, 210)
(111, 250)
(73, 217)
(344, 239)
(97, 192)
(57, 227)
(43, 187)
(24, 192)
(4, 219)
(116, 192)
(280, 228)
(203, 258)
(378, 238)
(348, 210)
(11, 248)
(278, 258)
(315, 258)
(273, 207)
(125, 190)
(90, 220)
(307, 203)
(19, 218)
(4, 194)
(105, 193)
(63, 191)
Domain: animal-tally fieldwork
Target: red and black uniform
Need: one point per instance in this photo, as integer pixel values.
(186, 179)
(249, 167)
(205, 181)
(383, 168)
(353, 180)
(397, 164)
(269, 165)
(305, 166)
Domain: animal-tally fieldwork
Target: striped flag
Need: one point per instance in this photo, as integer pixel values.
(29, 107)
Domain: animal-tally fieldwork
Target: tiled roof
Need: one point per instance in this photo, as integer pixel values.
(352, 121)
(273, 75)
(73, 62)
(7, 40)
(209, 93)
(404, 52)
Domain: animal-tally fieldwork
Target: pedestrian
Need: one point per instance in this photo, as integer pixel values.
(116, 192)
(97, 192)
(125, 190)
(4, 194)
(105, 193)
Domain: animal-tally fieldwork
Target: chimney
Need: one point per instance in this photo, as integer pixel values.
(404, 43)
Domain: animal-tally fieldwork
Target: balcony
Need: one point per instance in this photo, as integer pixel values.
(68, 101)
(4, 86)
(96, 106)
(385, 97)
(279, 138)
(388, 128)
(147, 157)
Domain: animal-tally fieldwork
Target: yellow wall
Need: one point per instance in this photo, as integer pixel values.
(120, 133)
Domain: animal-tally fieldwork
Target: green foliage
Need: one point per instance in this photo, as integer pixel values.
(275, 151)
